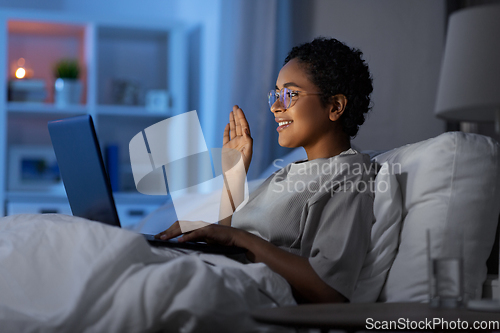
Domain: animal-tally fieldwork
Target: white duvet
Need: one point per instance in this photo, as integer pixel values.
(66, 274)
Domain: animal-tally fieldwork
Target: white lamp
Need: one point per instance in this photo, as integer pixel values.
(469, 83)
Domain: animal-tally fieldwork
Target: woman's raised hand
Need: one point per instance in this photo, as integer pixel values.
(237, 135)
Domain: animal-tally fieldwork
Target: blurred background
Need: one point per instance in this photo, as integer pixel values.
(207, 55)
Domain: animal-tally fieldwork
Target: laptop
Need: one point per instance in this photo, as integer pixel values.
(87, 183)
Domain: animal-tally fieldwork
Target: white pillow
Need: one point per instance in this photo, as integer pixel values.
(448, 183)
(387, 208)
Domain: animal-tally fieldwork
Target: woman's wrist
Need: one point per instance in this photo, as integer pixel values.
(254, 244)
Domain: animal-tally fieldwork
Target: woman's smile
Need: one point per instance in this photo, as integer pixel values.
(283, 124)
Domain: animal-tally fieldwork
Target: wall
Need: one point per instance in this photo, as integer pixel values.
(402, 42)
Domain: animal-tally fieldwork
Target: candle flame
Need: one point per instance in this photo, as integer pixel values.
(20, 73)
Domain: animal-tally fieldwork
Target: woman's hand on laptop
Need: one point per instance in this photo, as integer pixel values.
(172, 232)
(215, 234)
(179, 228)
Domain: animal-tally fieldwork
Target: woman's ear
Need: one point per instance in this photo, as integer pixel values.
(338, 105)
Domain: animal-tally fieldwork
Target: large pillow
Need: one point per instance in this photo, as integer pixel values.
(387, 208)
(449, 184)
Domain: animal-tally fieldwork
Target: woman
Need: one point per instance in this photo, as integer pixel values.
(309, 222)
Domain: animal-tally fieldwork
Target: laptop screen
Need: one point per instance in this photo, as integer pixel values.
(82, 169)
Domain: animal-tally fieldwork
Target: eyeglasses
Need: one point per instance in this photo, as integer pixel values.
(286, 96)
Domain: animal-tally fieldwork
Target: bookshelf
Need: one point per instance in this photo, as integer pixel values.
(120, 62)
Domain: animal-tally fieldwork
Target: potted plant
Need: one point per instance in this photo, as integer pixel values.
(68, 88)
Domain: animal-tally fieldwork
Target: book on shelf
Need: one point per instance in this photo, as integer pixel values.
(27, 90)
(27, 84)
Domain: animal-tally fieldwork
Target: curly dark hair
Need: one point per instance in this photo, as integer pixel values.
(335, 69)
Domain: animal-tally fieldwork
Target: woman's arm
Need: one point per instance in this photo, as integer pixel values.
(307, 286)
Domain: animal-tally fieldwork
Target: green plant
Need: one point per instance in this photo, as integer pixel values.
(67, 69)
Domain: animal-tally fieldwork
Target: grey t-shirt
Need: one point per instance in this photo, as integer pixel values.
(320, 209)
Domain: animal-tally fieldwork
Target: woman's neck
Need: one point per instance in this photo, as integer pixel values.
(328, 148)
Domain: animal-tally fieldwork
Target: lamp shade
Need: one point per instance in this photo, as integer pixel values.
(469, 84)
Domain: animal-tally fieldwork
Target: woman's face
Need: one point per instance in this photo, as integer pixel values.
(306, 122)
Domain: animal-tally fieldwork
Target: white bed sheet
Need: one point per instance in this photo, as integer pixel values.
(66, 274)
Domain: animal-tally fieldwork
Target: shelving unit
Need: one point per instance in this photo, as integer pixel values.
(142, 55)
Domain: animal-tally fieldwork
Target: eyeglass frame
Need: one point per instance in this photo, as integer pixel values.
(281, 94)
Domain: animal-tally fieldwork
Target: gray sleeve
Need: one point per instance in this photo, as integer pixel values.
(337, 236)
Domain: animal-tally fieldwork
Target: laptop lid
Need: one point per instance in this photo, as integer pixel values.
(82, 169)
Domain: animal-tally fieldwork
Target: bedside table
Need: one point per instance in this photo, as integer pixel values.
(376, 316)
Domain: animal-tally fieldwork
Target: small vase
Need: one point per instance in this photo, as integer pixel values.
(67, 92)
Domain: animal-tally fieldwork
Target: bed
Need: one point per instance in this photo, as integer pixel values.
(67, 274)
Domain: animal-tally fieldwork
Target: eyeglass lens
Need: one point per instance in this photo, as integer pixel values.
(284, 96)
